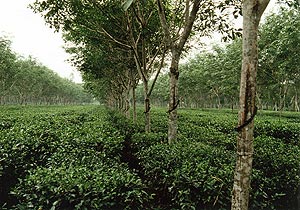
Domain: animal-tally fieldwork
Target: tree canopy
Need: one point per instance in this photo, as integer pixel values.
(211, 78)
(27, 81)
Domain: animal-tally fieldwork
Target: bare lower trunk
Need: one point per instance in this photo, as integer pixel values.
(176, 47)
(147, 115)
(219, 102)
(297, 109)
(282, 102)
(134, 105)
(147, 108)
(127, 105)
(252, 11)
(173, 103)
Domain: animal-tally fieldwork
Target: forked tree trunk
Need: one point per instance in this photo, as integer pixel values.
(252, 11)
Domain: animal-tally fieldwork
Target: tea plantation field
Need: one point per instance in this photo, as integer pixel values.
(89, 157)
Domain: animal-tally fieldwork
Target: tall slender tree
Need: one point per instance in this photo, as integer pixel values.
(179, 20)
(252, 12)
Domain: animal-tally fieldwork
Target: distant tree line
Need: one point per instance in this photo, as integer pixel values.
(26, 81)
(211, 78)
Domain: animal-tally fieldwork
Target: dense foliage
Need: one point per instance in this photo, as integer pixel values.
(279, 77)
(112, 47)
(26, 81)
(65, 159)
(92, 158)
(211, 78)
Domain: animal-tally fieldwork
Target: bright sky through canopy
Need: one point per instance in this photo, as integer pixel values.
(30, 36)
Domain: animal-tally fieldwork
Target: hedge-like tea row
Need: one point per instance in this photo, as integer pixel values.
(65, 159)
(197, 171)
(91, 158)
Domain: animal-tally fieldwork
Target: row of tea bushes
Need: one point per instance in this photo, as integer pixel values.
(197, 171)
(65, 159)
(91, 158)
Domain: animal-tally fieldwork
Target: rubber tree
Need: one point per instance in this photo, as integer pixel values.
(106, 77)
(132, 27)
(145, 40)
(179, 19)
(7, 68)
(279, 44)
(252, 11)
(212, 76)
(26, 80)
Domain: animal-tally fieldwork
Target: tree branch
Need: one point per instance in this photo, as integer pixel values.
(113, 39)
(163, 20)
(189, 24)
(157, 73)
(262, 5)
(135, 50)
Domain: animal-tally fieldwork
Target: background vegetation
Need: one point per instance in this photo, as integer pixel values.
(26, 81)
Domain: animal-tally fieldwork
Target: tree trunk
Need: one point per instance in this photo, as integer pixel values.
(282, 102)
(134, 104)
(297, 109)
(176, 48)
(147, 108)
(173, 100)
(126, 104)
(252, 11)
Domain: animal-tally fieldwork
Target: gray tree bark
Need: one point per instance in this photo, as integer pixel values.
(134, 114)
(252, 12)
(173, 97)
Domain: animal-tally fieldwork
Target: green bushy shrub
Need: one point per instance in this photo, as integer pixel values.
(275, 177)
(276, 173)
(207, 135)
(92, 139)
(77, 139)
(218, 120)
(288, 132)
(188, 175)
(21, 151)
(142, 141)
(123, 125)
(94, 159)
(107, 187)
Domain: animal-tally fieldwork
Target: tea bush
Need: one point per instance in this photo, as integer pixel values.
(103, 187)
(276, 174)
(284, 130)
(275, 178)
(37, 148)
(94, 158)
(188, 175)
